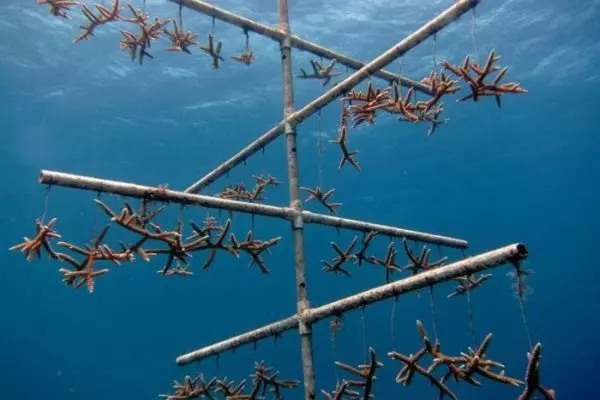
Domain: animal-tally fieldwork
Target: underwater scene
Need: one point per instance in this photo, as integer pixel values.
(299, 199)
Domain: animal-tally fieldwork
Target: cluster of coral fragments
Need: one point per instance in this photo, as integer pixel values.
(211, 237)
(362, 106)
(470, 367)
(138, 45)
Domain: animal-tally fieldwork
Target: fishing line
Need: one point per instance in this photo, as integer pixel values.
(476, 49)
(213, 26)
(181, 215)
(432, 307)
(95, 216)
(46, 201)
(146, 211)
(247, 40)
(335, 326)
(320, 150)
(363, 317)
(521, 299)
(276, 339)
(333, 348)
(434, 51)
(393, 323)
(469, 305)
(433, 315)
(470, 311)
(525, 322)
(180, 16)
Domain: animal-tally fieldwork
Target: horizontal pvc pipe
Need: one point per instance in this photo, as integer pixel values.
(172, 196)
(295, 41)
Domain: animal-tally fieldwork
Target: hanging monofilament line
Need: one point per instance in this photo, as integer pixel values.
(400, 69)
(363, 317)
(319, 150)
(334, 352)
(469, 305)
(247, 49)
(180, 16)
(475, 48)
(521, 299)
(432, 310)
(393, 323)
(46, 201)
(470, 312)
(525, 322)
(181, 216)
(434, 51)
(180, 220)
(95, 215)
(274, 351)
(433, 316)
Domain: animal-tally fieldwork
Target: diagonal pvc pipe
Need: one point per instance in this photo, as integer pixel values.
(411, 41)
(507, 254)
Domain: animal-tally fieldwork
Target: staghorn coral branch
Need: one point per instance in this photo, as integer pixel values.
(411, 364)
(341, 259)
(319, 72)
(342, 141)
(321, 197)
(214, 51)
(105, 15)
(59, 8)
(180, 40)
(477, 84)
(468, 283)
(532, 377)
(32, 247)
(85, 270)
(389, 262)
(366, 372)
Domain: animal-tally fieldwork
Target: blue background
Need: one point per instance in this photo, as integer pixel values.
(526, 173)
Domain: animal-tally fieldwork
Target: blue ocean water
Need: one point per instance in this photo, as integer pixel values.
(524, 173)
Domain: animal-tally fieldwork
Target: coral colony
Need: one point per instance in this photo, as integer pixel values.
(174, 247)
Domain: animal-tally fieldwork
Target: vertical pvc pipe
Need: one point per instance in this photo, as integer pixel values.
(303, 304)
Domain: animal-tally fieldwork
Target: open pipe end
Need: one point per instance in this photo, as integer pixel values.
(44, 177)
(522, 251)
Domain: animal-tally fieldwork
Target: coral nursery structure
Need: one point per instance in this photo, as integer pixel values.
(174, 247)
